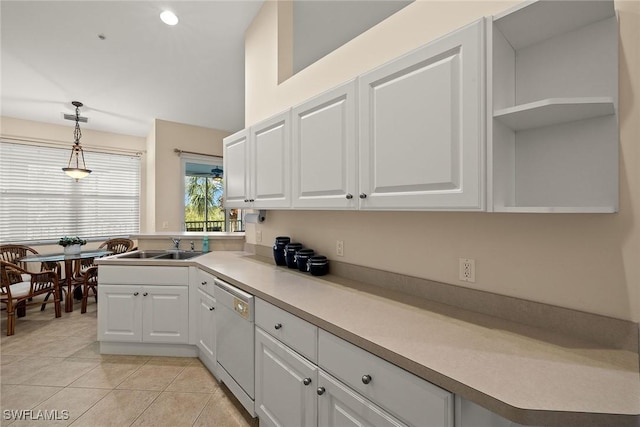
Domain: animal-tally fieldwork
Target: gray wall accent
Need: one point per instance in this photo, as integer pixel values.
(319, 27)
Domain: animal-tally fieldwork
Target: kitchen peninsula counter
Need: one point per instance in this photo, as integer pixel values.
(525, 374)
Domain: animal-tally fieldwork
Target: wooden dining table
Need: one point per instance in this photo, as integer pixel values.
(68, 268)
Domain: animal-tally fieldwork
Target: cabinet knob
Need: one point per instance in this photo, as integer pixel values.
(363, 196)
(135, 294)
(349, 196)
(278, 326)
(366, 379)
(203, 283)
(211, 308)
(306, 381)
(246, 200)
(252, 200)
(320, 391)
(145, 294)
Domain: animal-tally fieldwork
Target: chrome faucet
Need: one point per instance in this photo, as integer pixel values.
(193, 246)
(176, 243)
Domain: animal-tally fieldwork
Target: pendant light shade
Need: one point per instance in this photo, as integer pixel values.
(217, 173)
(74, 169)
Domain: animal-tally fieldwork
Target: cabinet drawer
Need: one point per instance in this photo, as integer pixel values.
(403, 394)
(298, 334)
(205, 282)
(143, 275)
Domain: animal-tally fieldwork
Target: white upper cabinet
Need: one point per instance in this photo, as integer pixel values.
(553, 126)
(236, 169)
(422, 129)
(270, 161)
(324, 150)
(257, 165)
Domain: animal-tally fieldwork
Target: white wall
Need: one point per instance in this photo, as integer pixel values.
(589, 262)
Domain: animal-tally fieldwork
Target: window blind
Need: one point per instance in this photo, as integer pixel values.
(39, 202)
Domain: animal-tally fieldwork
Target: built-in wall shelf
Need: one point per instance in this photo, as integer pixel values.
(552, 140)
(554, 111)
(531, 22)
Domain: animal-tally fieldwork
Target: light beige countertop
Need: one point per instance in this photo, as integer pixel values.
(525, 374)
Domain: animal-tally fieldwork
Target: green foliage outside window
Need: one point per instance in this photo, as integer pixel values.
(203, 199)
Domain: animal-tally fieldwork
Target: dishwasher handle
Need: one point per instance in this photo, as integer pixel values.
(238, 293)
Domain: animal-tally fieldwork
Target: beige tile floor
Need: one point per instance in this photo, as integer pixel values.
(53, 365)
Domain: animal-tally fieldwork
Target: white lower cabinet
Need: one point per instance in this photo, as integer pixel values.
(143, 304)
(285, 384)
(347, 386)
(410, 398)
(155, 314)
(340, 406)
(206, 330)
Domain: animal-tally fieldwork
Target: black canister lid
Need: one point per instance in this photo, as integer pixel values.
(293, 247)
(306, 252)
(317, 260)
(283, 239)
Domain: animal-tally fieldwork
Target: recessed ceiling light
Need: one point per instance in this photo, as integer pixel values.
(169, 17)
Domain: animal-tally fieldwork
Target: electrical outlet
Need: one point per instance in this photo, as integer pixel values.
(467, 270)
(258, 236)
(165, 224)
(340, 248)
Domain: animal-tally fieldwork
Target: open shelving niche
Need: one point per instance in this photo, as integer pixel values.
(553, 134)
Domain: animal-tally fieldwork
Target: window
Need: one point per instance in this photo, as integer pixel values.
(204, 199)
(39, 203)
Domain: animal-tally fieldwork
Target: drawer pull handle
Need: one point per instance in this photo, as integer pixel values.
(320, 391)
(135, 294)
(211, 308)
(306, 381)
(203, 283)
(278, 326)
(145, 294)
(366, 379)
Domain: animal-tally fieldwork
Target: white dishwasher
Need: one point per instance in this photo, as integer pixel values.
(235, 342)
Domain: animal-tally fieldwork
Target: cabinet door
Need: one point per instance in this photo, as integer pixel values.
(165, 314)
(324, 150)
(421, 125)
(270, 162)
(206, 340)
(236, 170)
(340, 406)
(120, 314)
(285, 385)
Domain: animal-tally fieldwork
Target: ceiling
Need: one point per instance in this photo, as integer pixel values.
(191, 73)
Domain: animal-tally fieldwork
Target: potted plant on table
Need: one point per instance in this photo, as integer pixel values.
(71, 245)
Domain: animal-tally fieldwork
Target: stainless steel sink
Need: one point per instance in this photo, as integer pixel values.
(160, 255)
(179, 255)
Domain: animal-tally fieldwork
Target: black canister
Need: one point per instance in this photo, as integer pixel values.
(318, 265)
(278, 250)
(301, 258)
(290, 254)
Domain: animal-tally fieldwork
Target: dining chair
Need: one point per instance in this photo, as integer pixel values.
(12, 253)
(90, 281)
(16, 293)
(117, 246)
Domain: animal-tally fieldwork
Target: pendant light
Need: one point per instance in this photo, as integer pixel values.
(217, 173)
(73, 169)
